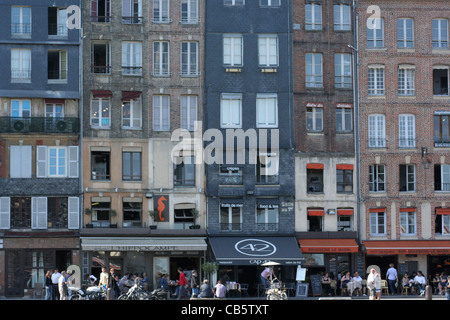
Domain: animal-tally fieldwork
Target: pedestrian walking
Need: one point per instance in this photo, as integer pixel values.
(392, 278)
(55, 277)
(48, 286)
(373, 283)
(182, 283)
(62, 286)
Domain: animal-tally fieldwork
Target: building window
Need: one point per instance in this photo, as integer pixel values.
(268, 50)
(234, 2)
(189, 11)
(233, 50)
(161, 65)
(131, 11)
(101, 212)
(183, 218)
(21, 21)
(267, 168)
(441, 130)
(344, 223)
(315, 221)
(55, 162)
(100, 113)
(378, 223)
(376, 81)
(161, 12)
(442, 177)
(54, 113)
(377, 178)
(57, 22)
(100, 58)
(405, 33)
(100, 165)
(314, 71)
(269, 3)
(231, 110)
(266, 110)
(100, 11)
(230, 217)
(188, 112)
(344, 122)
(57, 157)
(407, 177)
(132, 114)
(132, 214)
(20, 214)
(184, 171)
(230, 175)
(313, 20)
(343, 70)
(131, 166)
(266, 218)
(344, 181)
(57, 212)
(161, 113)
(440, 33)
(407, 222)
(375, 34)
(342, 21)
(20, 108)
(407, 135)
(314, 178)
(377, 131)
(132, 58)
(314, 119)
(20, 161)
(20, 64)
(189, 58)
(406, 81)
(440, 81)
(57, 65)
(442, 224)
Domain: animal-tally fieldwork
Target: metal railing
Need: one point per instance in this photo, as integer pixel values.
(39, 125)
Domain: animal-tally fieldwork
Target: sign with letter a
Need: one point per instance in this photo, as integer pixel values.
(161, 204)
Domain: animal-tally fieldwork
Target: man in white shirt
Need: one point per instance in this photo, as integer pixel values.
(391, 276)
(420, 282)
(356, 283)
(55, 277)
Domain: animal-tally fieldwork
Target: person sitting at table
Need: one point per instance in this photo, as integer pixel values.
(443, 282)
(164, 283)
(344, 280)
(405, 280)
(436, 279)
(205, 290)
(220, 290)
(326, 280)
(357, 284)
(420, 282)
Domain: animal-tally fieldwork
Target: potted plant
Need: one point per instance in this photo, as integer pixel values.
(195, 215)
(88, 212)
(210, 268)
(155, 216)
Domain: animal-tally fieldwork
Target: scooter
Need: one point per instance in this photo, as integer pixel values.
(91, 293)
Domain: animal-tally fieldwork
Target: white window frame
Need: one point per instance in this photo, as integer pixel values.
(19, 58)
(408, 175)
(376, 81)
(377, 131)
(188, 111)
(59, 163)
(23, 30)
(445, 177)
(343, 70)
(234, 2)
(408, 228)
(314, 70)
(230, 222)
(441, 41)
(266, 105)
(375, 40)
(268, 50)
(373, 176)
(233, 48)
(342, 114)
(339, 12)
(406, 81)
(135, 116)
(21, 108)
(39, 216)
(129, 14)
(164, 11)
(230, 104)
(63, 66)
(375, 225)
(161, 104)
(407, 131)
(312, 114)
(263, 217)
(269, 3)
(161, 58)
(103, 122)
(71, 162)
(132, 59)
(445, 224)
(402, 33)
(189, 53)
(313, 22)
(190, 9)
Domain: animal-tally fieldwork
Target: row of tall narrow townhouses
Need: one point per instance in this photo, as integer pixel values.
(218, 135)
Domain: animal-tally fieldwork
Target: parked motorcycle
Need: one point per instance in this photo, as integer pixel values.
(136, 292)
(158, 294)
(91, 293)
(275, 292)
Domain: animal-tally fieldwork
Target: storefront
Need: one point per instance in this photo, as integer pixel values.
(154, 256)
(240, 258)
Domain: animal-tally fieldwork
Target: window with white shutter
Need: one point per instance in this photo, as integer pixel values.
(57, 162)
(39, 213)
(188, 112)
(20, 161)
(407, 136)
(161, 111)
(377, 131)
(73, 162)
(41, 161)
(74, 213)
(5, 205)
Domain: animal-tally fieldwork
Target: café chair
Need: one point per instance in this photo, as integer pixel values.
(384, 287)
(333, 286)
(244, 289)
(405, 290)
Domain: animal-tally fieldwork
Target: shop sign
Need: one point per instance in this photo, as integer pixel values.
(408, 251)
(255, 247)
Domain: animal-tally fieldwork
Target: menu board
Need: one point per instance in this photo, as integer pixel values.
(302, 290)
(316, 285)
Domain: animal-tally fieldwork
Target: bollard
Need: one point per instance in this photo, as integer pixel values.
(428, 293)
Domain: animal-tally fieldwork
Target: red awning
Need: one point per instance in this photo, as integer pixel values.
(130, 95)
(443, 211)
(328, 245)
(101, 93)
(56, 101)
(345, 212)
(377, 210)
(314, 166)
(344, 166)
(407, 247)
(315, 212)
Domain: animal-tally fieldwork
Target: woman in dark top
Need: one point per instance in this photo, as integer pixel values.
(48, 285)
(326, 280)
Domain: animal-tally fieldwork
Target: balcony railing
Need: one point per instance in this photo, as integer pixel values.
(39, 124)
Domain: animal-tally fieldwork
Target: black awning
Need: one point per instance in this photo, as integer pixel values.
(256, 250)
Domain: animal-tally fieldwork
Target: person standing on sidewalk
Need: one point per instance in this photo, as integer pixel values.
(182, 283)
(392, 278)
